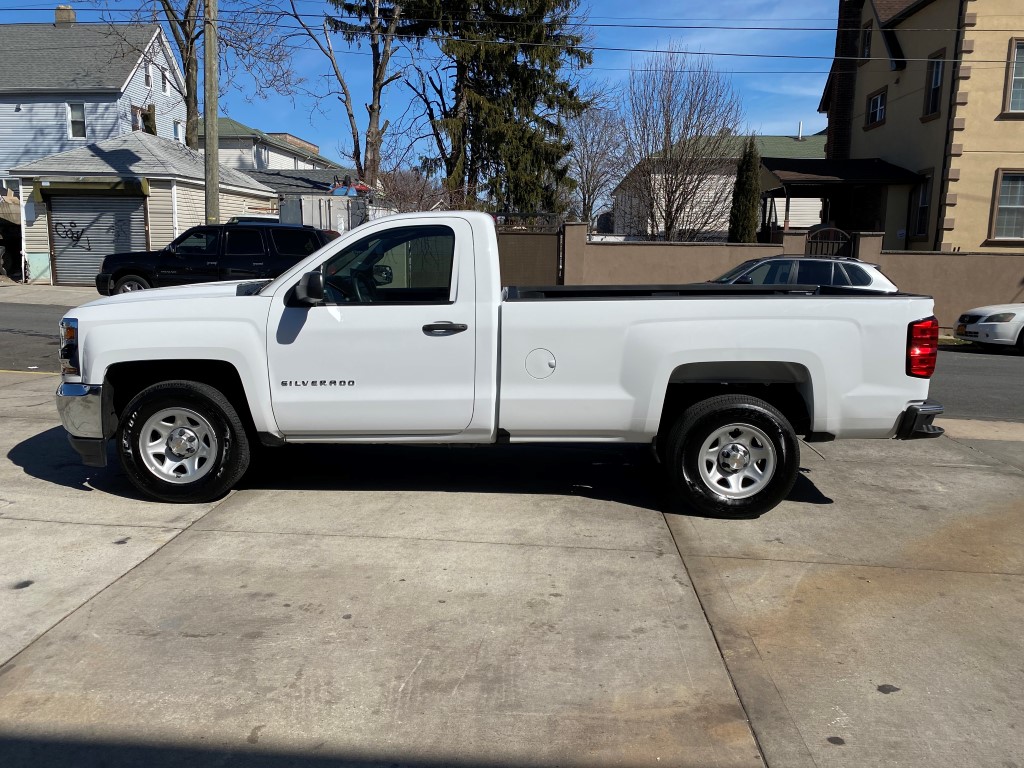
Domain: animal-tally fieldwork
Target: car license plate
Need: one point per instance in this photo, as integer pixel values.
(961, 329)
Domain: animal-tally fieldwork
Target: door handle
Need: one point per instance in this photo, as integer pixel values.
(444, 328)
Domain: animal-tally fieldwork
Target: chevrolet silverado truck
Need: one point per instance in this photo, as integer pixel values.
(400, 332)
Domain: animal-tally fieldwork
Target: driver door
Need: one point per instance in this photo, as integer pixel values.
(392, 348)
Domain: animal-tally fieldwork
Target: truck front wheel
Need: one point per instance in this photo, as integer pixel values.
(182, 441)
(733, 456)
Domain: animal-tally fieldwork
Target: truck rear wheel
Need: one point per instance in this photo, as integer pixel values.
(182, 441)
(732, 456)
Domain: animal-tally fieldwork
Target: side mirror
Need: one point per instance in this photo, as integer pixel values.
(383, 274)
(310, 289)
(745, 280)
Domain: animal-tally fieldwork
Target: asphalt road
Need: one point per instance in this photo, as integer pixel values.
(971, 383)
(28, 337)
(980, 384)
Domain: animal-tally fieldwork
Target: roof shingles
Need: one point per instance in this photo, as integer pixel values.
(43, 57)
(134, 154)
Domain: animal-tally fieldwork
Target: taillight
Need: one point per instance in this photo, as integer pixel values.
(922, 347)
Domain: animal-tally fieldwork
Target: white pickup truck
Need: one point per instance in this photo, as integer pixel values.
(400, 332)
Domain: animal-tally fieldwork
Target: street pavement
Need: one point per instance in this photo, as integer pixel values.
(511, 606)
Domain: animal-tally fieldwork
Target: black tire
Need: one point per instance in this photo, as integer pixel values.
(128, 283)
(1020, 342)
(766, 442)
(210, 434)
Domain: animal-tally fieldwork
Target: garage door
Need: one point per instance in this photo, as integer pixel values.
(85, 229)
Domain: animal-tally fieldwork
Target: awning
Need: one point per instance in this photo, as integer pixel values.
(816, 177)
(107, 185)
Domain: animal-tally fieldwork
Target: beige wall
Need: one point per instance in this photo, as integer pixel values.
(528, 258)
(905, 140)
(651, 263)
(957, 281)
(988, 142)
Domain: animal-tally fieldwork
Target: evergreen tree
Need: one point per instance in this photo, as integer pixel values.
(746, 196)
(496, 106)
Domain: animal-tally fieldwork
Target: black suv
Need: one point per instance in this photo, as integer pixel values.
(242, 251)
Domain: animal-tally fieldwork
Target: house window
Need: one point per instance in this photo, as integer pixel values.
(865, 42)
(76, 121)
(922, 206)
(875, 114)
(179, 131)
(1009, 213)
(149, 74)
(137, 122)
(1015, 78)
(165, 81)
(933, 84)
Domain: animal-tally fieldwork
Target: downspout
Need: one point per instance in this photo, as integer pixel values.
(947, 157)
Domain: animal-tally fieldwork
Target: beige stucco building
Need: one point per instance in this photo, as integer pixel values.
(936, 87)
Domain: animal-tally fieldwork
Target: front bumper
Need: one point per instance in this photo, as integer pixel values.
(80, 407)
(105, 284)
(987, 333)
(916, 422)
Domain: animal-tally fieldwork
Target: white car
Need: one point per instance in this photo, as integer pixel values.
(1001, 324)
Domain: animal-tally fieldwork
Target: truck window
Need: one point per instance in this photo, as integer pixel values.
(198, 242)
(243, 242)
(294, 242)
(401, 265)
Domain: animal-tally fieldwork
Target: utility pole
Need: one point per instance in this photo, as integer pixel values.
(211, 130)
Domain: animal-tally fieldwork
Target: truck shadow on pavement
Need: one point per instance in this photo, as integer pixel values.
(48, 456)
(51, 753)
(625, 474)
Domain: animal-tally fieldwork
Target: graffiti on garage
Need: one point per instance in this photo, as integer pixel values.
(70, 231)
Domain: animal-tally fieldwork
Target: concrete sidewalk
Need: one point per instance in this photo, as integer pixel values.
(378, 606)
(511, 606)
(56, 295)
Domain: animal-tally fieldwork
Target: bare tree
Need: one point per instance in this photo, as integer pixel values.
(595, 161)
(378, 23)
(681, 123)
(249, 45)
(413, 189)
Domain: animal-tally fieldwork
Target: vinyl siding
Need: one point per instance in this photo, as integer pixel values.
(169, 106)
(37, 233)
(161, 213)
(237, 204)
(234, 153)
(192, 205)
(32, 127)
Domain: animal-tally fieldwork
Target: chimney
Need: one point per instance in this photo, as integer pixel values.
(64, 16)
(800, 132)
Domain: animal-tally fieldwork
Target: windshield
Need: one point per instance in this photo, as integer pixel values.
(735, 272)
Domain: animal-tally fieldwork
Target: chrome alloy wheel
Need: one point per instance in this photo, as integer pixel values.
(131, 285)
(737, 461)
(178, 445)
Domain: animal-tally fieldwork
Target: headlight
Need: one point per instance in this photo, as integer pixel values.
(1002, 317)
(69, 346)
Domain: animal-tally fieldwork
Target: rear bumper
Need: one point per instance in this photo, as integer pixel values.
(80, 407)
(916, 422)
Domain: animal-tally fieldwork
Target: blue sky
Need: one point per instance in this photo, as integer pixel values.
(776, 92)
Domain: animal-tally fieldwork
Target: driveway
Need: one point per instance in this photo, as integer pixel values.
(512, 606)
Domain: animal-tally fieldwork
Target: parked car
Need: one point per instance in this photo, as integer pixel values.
(238, 251)
(994, 325)
(808, 270)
